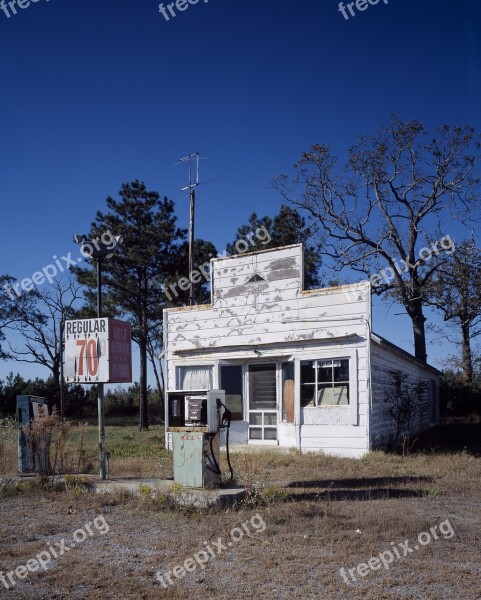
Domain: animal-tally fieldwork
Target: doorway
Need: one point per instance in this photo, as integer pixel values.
(262, 403)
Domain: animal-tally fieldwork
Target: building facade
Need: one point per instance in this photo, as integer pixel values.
(300, 368)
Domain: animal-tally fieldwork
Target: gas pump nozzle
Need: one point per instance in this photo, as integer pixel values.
(226, 415)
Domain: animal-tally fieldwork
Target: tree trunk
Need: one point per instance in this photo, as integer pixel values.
(159, 376)
(467, 357)
(160, 390)
(56, 379)
(162, 401)
(418, 319)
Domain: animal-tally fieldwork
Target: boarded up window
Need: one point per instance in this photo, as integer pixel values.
(288, 392)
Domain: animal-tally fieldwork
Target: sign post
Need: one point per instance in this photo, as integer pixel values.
(98, 351)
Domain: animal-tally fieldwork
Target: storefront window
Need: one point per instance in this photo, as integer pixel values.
(325, 383)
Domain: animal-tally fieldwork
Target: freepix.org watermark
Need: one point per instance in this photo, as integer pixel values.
(397, 551)
(60, 265)
(9, 7)
(211, 550)
(180, 5)
(203, 271)
(43, 559)
(361, 6)
(402, 265)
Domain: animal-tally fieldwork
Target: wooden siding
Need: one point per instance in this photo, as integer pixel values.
(384, 360)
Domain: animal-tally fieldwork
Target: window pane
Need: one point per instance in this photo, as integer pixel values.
(341, 395)
(231, 382)
(308, 394)
(308, 374)
(324, 371)
(270, 419)
(262, 386)
(325, 396)
(341, 370)
(333, 396)
(194, 378)
(255, 419)
(270, 434)
(255, 434)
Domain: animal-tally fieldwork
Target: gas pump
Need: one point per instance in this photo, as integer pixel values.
(32, 446)
(195, 419)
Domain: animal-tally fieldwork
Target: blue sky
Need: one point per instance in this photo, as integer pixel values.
(99, 93)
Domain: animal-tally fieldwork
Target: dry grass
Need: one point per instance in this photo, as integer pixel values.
(322, 513)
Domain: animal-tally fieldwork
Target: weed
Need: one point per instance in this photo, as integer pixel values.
(145, 490)
(177, 490)
(73, 482)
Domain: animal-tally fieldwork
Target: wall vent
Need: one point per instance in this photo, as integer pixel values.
(255, 278)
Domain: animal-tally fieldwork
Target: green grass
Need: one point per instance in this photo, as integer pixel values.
(129, 448)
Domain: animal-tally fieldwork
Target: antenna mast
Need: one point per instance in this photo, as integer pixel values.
(191, 187)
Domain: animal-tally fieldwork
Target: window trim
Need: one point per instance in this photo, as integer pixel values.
(325, 354)
(326, 385)
(193, 366)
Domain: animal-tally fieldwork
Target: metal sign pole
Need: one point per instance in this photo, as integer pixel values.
(100, 386)
(97, 250)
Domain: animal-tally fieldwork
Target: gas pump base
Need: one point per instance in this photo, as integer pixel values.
(196, 458)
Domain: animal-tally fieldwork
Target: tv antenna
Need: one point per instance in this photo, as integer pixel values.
(193, 183)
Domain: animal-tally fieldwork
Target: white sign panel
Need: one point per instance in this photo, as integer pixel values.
(98, 351)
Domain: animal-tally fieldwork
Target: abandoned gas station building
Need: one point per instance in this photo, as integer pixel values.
(300, 369)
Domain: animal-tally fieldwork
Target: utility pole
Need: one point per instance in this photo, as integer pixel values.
(191, 187)
(191, 245)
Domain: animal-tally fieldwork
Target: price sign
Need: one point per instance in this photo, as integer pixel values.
(98, 351)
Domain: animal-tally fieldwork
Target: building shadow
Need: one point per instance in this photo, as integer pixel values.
(450, 438)
(362, 488)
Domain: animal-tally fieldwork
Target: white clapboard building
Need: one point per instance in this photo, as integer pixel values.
(300, 369)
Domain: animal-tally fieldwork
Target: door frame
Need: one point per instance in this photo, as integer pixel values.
(261, 442)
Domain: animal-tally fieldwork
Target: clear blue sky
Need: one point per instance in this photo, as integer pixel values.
(99, 93)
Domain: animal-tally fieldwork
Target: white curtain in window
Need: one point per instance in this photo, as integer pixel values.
(195, 378)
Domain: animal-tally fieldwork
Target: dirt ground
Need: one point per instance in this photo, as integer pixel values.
(406, 528)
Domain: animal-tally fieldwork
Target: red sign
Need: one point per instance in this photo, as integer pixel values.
(120, 351)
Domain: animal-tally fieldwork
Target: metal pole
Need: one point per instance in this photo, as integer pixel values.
(62, 395)
(191, 245)
(100, 386)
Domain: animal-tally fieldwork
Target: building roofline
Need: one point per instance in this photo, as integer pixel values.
(265, 251)
(381, 341)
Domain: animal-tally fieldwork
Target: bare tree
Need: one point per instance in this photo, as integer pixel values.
(397, 190)
(35, 322)
(7, 300)
(456, 292)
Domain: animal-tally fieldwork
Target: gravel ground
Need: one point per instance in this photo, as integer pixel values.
(339, 514)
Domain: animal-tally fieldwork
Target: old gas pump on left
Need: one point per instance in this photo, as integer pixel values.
(194, 421)
(33, 443)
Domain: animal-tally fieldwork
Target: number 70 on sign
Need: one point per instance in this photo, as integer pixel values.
(88, 356)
